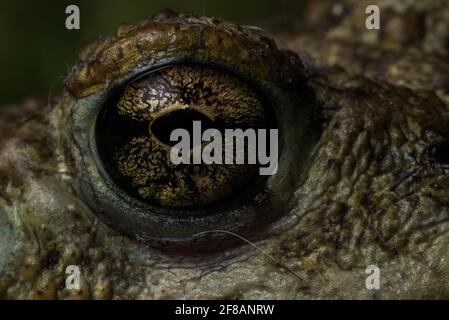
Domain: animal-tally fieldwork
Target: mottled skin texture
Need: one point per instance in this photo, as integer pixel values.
(373, 193)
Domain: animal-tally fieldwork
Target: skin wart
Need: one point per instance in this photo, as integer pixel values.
(374, 193)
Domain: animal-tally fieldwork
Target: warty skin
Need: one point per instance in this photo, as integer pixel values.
(373, 192)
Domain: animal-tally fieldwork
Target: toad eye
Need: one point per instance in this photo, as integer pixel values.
(133, 135)
(130, 93)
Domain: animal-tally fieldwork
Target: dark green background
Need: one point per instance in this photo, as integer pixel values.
(36, 49)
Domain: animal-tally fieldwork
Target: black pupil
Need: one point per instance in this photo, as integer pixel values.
(441, 153)
(163, 126)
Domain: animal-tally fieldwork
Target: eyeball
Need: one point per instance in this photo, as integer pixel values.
(133, 135)
(129, 94)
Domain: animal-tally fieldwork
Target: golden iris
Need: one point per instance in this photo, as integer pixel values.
(133, 132)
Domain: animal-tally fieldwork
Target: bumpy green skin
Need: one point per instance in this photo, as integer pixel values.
(372, 194)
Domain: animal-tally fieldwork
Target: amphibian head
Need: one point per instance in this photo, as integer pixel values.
(362, 176)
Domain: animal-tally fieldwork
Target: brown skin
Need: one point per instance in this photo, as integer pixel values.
(373, 192)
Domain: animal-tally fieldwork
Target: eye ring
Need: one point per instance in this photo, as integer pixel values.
(278, 76)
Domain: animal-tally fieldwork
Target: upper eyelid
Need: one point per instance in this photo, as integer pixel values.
(120, 58)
